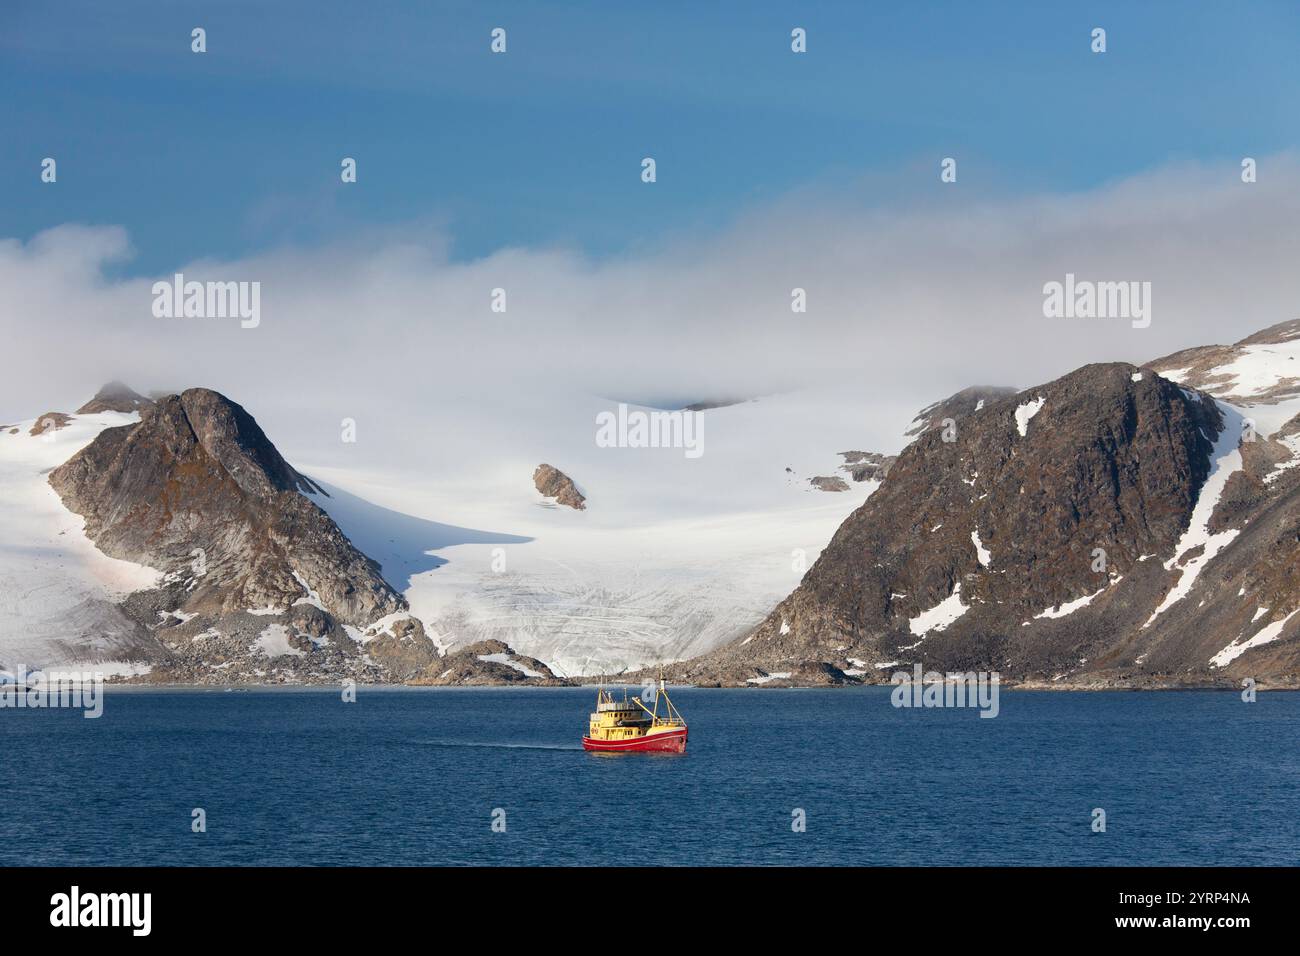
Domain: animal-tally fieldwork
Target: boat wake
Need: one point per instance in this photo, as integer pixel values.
(503, 746)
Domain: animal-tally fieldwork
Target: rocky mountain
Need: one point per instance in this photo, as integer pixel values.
(258, 582)
(115, 397)
(1110, 528)
(956, 407)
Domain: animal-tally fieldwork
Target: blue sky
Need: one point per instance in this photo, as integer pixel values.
(237, 150)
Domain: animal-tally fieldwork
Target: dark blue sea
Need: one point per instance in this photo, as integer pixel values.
(413, 776)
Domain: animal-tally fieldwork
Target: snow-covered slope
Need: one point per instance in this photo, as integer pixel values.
(1259, 375)
(55, 585)
(671, 557)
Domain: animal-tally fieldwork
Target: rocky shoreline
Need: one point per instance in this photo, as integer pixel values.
(320, 681)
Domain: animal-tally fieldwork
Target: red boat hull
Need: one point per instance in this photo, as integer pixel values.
(672, 742)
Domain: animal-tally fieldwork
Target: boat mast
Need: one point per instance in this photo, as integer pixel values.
(672, 713)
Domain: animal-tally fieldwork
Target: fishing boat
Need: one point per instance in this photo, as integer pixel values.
(629, 726)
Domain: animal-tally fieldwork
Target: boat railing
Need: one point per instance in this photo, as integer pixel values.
(669, 722)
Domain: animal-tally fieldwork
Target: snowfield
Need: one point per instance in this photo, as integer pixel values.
(55, 585)
(673, 556)
(1260, 368)
(1246, 380)
(274, 642)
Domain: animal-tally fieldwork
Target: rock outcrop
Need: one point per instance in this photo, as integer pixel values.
(1241, 373)
(956, 407)
(866, 465)
(553, 483)
(488, 662)
(829, 483)
(714, 403)
(115, 397)
(50, 421)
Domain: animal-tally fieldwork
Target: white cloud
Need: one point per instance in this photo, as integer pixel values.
(916, 299)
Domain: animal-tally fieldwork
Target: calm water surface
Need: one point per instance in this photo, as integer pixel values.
(412, 776)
